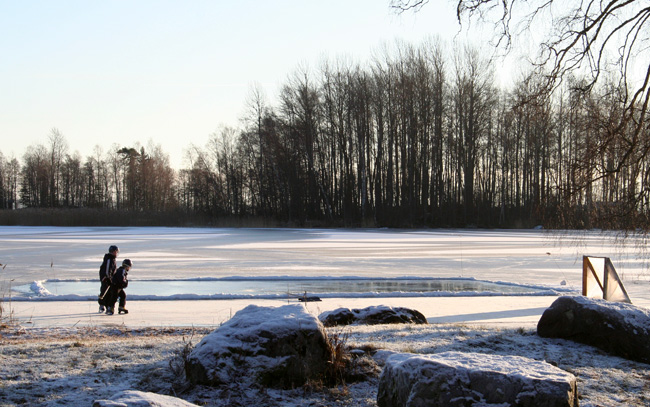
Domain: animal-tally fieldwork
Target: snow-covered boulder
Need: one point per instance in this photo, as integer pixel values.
(380, 314)
(452, 379)
(618, 328)
(278, 346)
(134, 398)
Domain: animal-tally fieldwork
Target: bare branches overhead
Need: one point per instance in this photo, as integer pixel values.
(405, 5)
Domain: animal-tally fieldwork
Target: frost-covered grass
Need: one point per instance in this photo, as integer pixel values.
(57, 367)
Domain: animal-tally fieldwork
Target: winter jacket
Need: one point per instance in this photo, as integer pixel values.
(108, 267)
(120, 278)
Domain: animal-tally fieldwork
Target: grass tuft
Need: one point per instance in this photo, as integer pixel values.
(179, 383)
(339, 363)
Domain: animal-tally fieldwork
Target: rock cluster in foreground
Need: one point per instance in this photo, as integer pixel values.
(282, 347)
(618, 328)
(374, 315)
(453, 379)
(288, 347)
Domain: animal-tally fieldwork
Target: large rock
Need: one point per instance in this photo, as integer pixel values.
(618, 328)
(283, 346)
(454, 379)
(134, 398)
(380, 314)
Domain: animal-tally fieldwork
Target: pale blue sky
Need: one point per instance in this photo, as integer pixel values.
(105, 72)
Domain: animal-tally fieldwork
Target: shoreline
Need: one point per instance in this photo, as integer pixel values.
(506, 311)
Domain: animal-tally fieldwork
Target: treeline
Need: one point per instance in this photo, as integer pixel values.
(414, 138)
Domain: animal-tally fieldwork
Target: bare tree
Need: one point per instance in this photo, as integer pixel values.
(34, 189)
(473, 98)
(58, 149)
(13, 174)
(256, 140)
(227, 176)
(301, 111)
(9, 172)
(71, 181)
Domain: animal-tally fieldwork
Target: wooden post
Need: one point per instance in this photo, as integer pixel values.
(585, 274)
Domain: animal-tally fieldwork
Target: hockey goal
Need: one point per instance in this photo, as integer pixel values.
(600, 280)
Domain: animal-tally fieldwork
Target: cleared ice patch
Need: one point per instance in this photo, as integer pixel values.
(282, 287)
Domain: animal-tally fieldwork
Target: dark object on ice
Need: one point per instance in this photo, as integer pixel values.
(381, 314)
(467, 379)
(305, 297)
(618, 328)
(283, 346)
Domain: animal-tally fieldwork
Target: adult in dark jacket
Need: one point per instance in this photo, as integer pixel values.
(119, 282)
(106, 271)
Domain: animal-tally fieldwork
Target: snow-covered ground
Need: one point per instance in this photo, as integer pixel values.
(63, 352)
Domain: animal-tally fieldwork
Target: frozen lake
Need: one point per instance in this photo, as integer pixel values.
(194, 263)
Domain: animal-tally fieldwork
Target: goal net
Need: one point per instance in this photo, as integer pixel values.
(600, 280)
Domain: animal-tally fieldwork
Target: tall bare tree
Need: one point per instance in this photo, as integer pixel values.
(72, 181)
(58, 149)
(9, 174)
(35, 181)
(473, 98)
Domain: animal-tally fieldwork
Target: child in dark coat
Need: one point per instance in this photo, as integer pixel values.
(106, 271)
(119, 282)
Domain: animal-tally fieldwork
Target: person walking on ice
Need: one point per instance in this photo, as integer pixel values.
(119, 282)
(106, 271)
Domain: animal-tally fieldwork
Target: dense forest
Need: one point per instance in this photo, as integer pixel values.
(420, 136)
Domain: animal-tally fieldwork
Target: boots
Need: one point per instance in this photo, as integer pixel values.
(101, 309)
(109, 310)
(122, 310)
